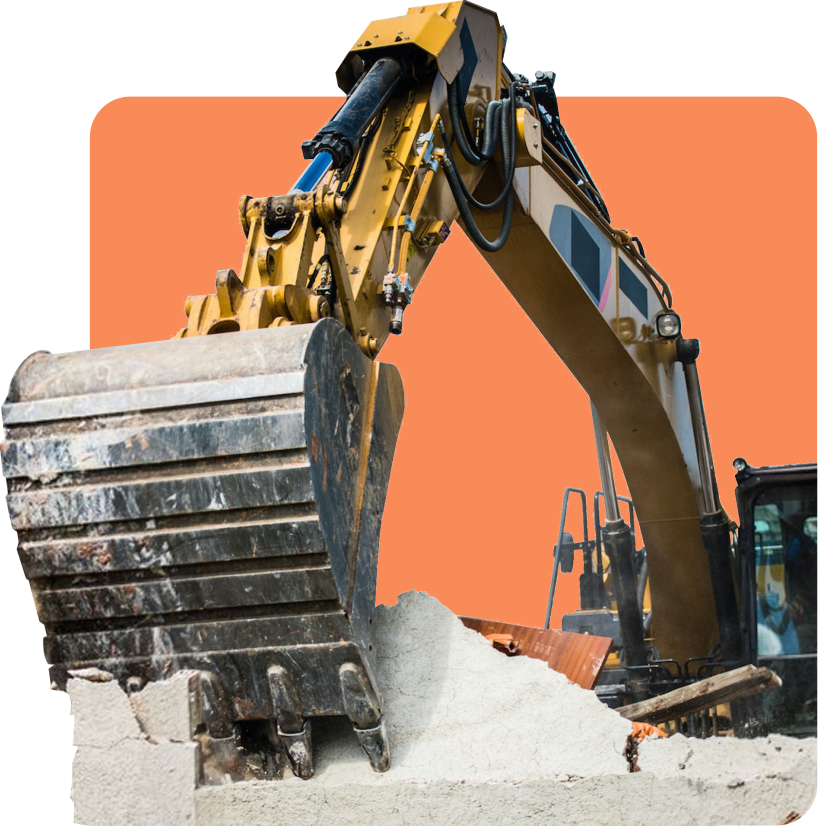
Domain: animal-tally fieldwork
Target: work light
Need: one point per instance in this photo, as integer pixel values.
(668, 325)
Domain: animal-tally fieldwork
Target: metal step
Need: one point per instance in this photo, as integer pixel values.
(215, 504)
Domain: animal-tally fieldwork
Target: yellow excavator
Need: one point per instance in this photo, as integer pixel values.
(214, 502)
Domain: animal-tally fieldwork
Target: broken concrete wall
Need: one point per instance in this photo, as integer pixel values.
(476, 738)
(136, 764)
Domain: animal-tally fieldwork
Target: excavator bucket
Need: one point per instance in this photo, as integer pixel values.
(211, 503)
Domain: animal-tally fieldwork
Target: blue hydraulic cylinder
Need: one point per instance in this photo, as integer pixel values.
(313, 173)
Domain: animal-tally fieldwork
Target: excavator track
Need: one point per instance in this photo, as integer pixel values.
(211, 503)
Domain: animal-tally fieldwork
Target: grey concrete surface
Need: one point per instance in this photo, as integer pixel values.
(102, 714)
(615, 800)
(135, 783)
(172, 709)
(135, 763)
(477, 738)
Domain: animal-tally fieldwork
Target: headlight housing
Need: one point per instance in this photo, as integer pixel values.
(668, 325)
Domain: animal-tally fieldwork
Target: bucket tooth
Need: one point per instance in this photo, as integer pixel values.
(210, 503)
(360, 702)
(363, 708)
(293, 730)
(215, 707)
(251, 751)
(376, 745)
(286, 708)
(298, 745)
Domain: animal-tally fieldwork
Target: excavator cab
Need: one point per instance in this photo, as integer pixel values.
(776, 555)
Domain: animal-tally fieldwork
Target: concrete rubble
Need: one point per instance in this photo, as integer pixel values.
(125, 772)
(476, 737)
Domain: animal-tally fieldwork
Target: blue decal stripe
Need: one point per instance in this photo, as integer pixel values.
(585, 257)
(585, 248)
(469, 60)
(633, 288)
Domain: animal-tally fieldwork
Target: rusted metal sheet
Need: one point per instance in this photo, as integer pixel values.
(579, 656)
(214, 504)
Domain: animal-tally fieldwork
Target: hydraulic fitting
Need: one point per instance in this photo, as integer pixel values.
(397, 293)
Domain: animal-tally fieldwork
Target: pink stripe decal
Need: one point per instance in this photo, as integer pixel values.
(605, 291)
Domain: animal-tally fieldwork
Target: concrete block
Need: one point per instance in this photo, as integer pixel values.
(102, 714)
(121, 778)
(634, 799)
(135, 783)
(171, 709)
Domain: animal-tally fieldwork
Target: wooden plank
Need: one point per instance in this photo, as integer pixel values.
(721, 688)
(579, 656)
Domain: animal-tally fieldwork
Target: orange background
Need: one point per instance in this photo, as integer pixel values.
(720, 191)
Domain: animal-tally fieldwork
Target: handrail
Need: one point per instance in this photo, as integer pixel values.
(555, 569)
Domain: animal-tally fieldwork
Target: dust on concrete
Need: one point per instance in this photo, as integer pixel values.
(482, 739)
(477, 738)
(458, 709)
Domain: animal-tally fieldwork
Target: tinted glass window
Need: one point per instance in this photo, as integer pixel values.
(785, 557)
(785, 554)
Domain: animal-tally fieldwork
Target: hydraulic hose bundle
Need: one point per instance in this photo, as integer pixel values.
(501, 120)
(557, 143)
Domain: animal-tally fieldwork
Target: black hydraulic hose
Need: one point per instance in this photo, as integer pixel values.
(465, 142)
(553, 128)
(509, 128)
(508, 171)
(488, 142)
(570, 151)
(462, 135)
(366, 139)
(474, 155)
(468, 218)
